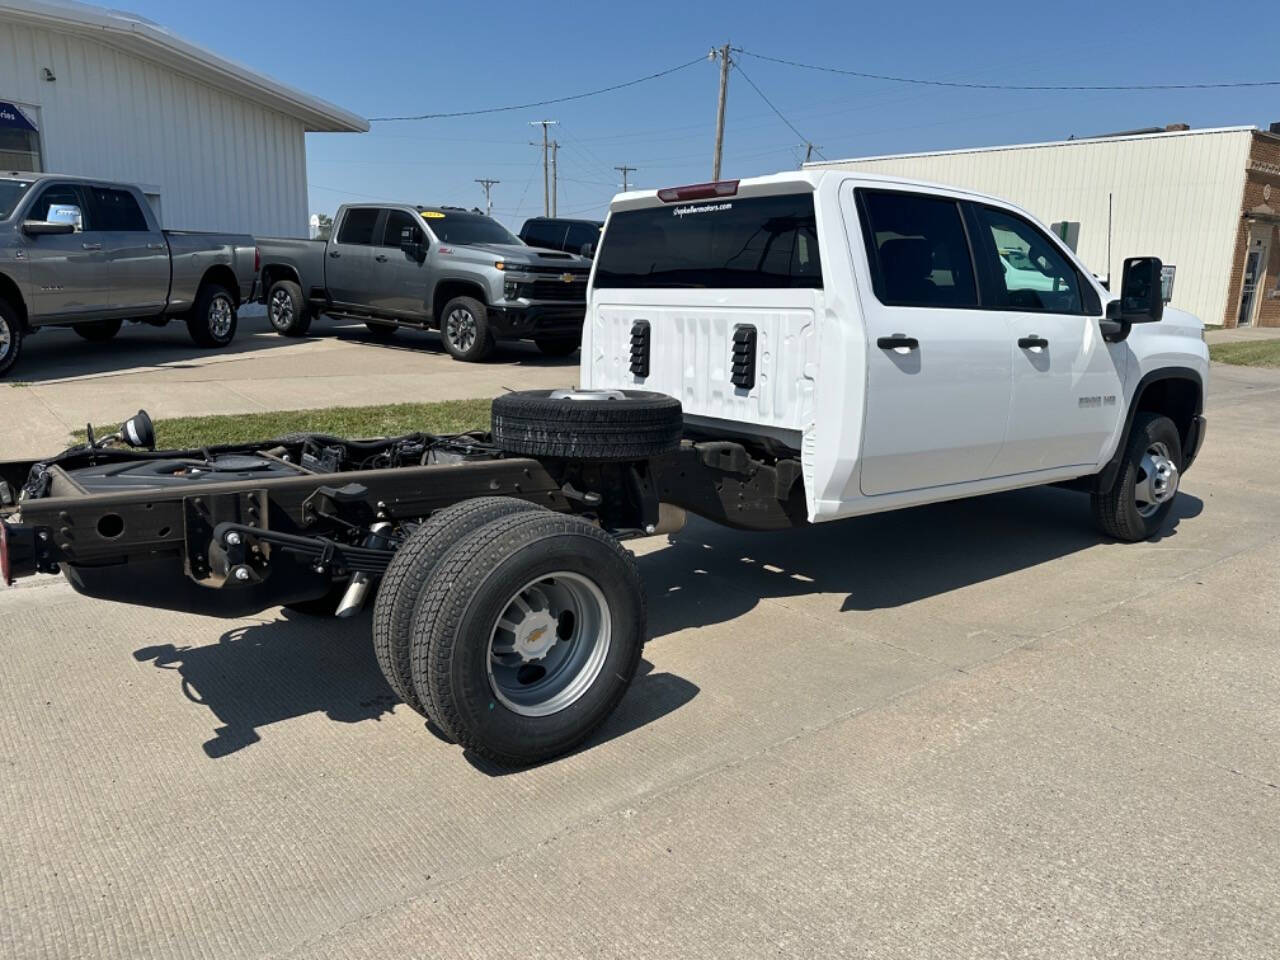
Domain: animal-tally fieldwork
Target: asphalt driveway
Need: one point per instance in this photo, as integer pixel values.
(969, 730)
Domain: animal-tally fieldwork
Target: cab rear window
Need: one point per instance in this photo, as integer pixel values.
(753, 242)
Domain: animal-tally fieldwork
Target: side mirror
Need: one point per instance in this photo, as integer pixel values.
(588, 250)
(1141, 295)
(46, 228)
(412, 248)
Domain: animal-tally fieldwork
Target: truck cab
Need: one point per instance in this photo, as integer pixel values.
(873, 328)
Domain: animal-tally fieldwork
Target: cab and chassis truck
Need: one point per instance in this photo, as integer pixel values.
(765, 354)
(90, 254)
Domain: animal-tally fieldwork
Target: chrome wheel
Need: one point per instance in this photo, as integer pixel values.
(221, 316)
(6, 338)
(461, 329)
(549, 644)
(1157, 481)
(281, 310)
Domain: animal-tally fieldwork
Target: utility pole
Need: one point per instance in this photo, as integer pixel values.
(624, 170)
(488, 185)
(555, 177)
(808, 151)
(723, 55)
(546, 184)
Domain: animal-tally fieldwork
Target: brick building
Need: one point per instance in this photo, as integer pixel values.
(1207, 202)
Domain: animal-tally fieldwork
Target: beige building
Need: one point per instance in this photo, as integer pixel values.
(1207, 202)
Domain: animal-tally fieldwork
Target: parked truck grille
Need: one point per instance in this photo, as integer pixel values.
(557, 290)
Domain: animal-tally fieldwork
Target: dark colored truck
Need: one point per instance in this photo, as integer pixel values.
(430, 268)
(559, 233)
(90, 254)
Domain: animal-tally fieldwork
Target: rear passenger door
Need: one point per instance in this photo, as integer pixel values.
(1067, 381)
(938, 365)
(349, 263)
(136, 257)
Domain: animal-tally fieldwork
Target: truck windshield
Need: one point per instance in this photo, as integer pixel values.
(757, 242)
(11, 192)
(464, 229)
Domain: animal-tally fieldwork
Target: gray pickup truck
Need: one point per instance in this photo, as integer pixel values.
(90, 254)
(432, 268)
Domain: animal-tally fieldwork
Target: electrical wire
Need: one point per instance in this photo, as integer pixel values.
(1043, 87)
(542, 103)
(791, 125)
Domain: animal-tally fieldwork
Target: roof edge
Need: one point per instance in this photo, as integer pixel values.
(141, 37)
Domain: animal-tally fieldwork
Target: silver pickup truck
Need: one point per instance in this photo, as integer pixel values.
(438, 268)
(90, 254)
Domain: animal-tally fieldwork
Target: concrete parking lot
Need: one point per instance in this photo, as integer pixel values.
(970, 730)
(64, 382)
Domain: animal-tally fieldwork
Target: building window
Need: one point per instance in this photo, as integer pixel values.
(19, 138)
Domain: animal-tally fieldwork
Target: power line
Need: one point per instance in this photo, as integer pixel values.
(807, 142)
(541, 103)
(1015, 86)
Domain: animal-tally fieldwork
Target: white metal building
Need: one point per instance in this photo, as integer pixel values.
(1190, 197)
(96, 92)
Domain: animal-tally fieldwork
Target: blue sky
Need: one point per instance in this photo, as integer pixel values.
(398, 57)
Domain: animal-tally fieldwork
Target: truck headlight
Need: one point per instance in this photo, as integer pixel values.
(511, 289)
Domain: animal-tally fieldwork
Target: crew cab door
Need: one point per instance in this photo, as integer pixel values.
(135, 256)
(938, 365)
(349, 263)
(1067, 381)
(398, 280)
(67, 271)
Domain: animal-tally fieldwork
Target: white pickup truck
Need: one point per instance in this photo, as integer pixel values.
(868, 327)
(764, 354)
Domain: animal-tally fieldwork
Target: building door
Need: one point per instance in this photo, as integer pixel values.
(1255, 264)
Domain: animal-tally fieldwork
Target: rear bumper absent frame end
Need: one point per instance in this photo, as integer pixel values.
(18, 550)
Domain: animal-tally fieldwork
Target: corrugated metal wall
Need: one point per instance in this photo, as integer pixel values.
(220, 162)
(1175, 196)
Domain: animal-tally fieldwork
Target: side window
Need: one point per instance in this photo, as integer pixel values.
(397, 222)
(1029, 272)
(117, 210)
(357, 226)
(918, 250)
(537, 233)
(580, 234)
(57, 195)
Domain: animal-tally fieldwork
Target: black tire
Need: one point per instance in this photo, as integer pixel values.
(381, 331)
(410, 569)
(631, 425)
(287, 310)
(464, 328)
(558, 346)
(459, 611)
(98, 331)
(1116, 511)
(208, 322)
(11, 336)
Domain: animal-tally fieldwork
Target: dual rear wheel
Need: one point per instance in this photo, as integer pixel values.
(515, 629)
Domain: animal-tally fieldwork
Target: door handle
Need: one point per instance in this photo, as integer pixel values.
(1035, 340)
(897, 342)
(381, 258)
(91, 246)
(155, 246)
(335, 254)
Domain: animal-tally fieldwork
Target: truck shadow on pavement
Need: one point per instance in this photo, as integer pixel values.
(266, 673)
(712, 574)
(520, 352)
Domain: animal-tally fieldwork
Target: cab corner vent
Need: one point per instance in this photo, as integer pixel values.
(744, 357)
(640, 349)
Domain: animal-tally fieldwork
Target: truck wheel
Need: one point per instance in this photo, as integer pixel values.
(10, 338)
(464, 326)
(410, 569)
(1139, 501)
(558, 346)
(587, 424)
(212, 321)
(287, 311)
(98, 331)
(528, 635)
